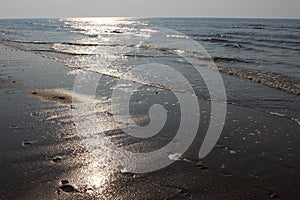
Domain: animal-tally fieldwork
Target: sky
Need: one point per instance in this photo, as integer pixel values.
(153, 8)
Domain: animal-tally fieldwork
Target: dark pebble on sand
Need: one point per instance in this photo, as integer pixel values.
(204, 168)
(68, 188)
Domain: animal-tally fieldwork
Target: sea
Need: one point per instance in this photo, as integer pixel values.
(258, 59)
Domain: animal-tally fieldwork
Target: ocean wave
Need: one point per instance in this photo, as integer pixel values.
(270, 45)
(177, 36)
(58, 49)
(226, 59)
(26, 41)
(79, 44)
(216, 40)
(277, 114)
(223, 36)
(4, 42)
(278, 41)
(258, 25)
(94, 44)
(75, 49)
(264, 79)
(21, 48)
(141, 56)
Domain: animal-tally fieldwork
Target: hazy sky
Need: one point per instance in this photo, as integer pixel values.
(208, 8)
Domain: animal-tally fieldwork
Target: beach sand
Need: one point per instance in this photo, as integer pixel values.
(42, 156)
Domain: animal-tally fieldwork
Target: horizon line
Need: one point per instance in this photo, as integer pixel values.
(214, 17)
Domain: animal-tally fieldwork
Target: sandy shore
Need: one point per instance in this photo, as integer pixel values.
(42, 157)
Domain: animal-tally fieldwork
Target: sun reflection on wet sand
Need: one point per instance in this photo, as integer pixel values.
(97, 177)
(92, 178)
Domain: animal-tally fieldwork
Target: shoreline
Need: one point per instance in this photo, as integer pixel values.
(263, 78)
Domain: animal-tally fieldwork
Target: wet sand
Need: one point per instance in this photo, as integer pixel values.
(42, 157)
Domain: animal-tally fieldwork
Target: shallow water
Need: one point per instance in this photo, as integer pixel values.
(261, 50)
